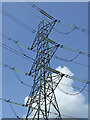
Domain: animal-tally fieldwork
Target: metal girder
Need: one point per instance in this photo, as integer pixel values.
(52, 70)
(49, 40)
(43, 91)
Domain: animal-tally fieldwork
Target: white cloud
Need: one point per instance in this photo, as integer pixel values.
(69, 105)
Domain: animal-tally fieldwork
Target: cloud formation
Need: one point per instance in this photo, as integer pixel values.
(69, 105)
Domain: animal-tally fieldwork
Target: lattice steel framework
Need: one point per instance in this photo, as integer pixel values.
(42, 95)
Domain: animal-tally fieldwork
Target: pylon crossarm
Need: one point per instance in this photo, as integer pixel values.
(49, 40)
(33, 69)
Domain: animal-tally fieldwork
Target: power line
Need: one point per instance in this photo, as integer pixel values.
(10, 67)
(74, 62)
(17, 21)
(58, 31)
(17, 70)
(59, 21)
(56, 76)
(74, 50)
(61, 73)
(15, 103)
(73, 86)
(65, 75)
(16, 52)
(44, 13)
(66, 59)
(60, 83)
(64, 33)
(61, 46)
(14, 69)
(73, 78)
(57, 57)
(23, 105)
(40, 63)
(23, 5)
(64, 47)
(77, 93)
(11, 107)
(16, 42)
(13, 111)
(18, 77)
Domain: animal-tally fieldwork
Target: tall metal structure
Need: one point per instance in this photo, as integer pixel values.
(42, 95)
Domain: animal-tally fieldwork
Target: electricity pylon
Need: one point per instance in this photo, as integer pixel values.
(42, 95)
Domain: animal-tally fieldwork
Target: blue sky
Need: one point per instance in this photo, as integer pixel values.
(74, 13)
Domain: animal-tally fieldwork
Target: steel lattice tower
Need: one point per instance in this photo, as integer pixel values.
(42, 94)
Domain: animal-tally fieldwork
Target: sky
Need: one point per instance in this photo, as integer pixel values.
(74, 13)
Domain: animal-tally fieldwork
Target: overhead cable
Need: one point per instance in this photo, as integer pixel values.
(16, 52)
(17, 21)
(77, 93)
(23, 105)
(58, 31)
(52, 18)
(60, 73)
(61, 46)
(14, 69)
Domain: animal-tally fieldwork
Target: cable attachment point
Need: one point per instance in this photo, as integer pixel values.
(58, 21)
(17, 117)
(80, 52)
(12, 68)
(26, 73)
(55, 20)
(75, 27)
(30, 48)
(66, 76)
(16, 42)
(62, 75)
(33, 31)
(33, 5)
(26, 105)
(61, 46)
(58, 45)
(8, 100)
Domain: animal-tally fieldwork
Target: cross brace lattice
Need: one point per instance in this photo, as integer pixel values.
(42, 96)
